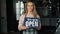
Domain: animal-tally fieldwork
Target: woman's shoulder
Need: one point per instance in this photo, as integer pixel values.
(38, 16)
(22, 16)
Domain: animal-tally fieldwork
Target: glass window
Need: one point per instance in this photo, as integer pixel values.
(19, 9)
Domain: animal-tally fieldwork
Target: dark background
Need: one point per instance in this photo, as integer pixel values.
(0, 16)
(49, 20)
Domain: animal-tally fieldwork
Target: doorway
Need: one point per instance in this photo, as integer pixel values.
(0, 15)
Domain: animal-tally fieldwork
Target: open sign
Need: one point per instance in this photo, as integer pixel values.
(32, 22)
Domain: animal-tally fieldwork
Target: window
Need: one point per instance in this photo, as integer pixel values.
(19, 9)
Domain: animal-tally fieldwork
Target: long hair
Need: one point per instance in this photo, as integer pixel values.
(34, 9)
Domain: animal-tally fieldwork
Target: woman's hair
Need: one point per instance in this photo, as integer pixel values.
(34, 9)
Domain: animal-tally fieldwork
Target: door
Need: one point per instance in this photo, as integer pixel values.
(0, 15)
(3, 16)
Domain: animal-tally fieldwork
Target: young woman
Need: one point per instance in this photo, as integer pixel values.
(29, 13)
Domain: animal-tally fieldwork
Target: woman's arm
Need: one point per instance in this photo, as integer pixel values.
(39, 27)
(20, 26)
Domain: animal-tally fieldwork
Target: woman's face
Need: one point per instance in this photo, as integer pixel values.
(30, 6)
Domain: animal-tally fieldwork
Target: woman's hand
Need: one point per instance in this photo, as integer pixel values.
(22, 28)
(38, 28)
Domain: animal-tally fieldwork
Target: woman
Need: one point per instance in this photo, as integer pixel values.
(29, 13)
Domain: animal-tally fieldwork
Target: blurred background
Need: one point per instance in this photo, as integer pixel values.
(10, 11)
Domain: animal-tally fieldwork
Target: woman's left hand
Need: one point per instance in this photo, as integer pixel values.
(38, 28)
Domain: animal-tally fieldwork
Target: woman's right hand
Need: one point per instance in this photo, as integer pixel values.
(23, 28)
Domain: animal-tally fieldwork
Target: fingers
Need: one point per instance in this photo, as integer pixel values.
(24, 27)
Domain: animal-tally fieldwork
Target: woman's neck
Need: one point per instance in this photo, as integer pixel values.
(29, 13)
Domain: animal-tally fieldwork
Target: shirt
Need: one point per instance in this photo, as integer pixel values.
(32, 23)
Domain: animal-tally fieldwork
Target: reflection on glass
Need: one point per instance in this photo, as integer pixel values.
(45, 11)
(19, 9)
